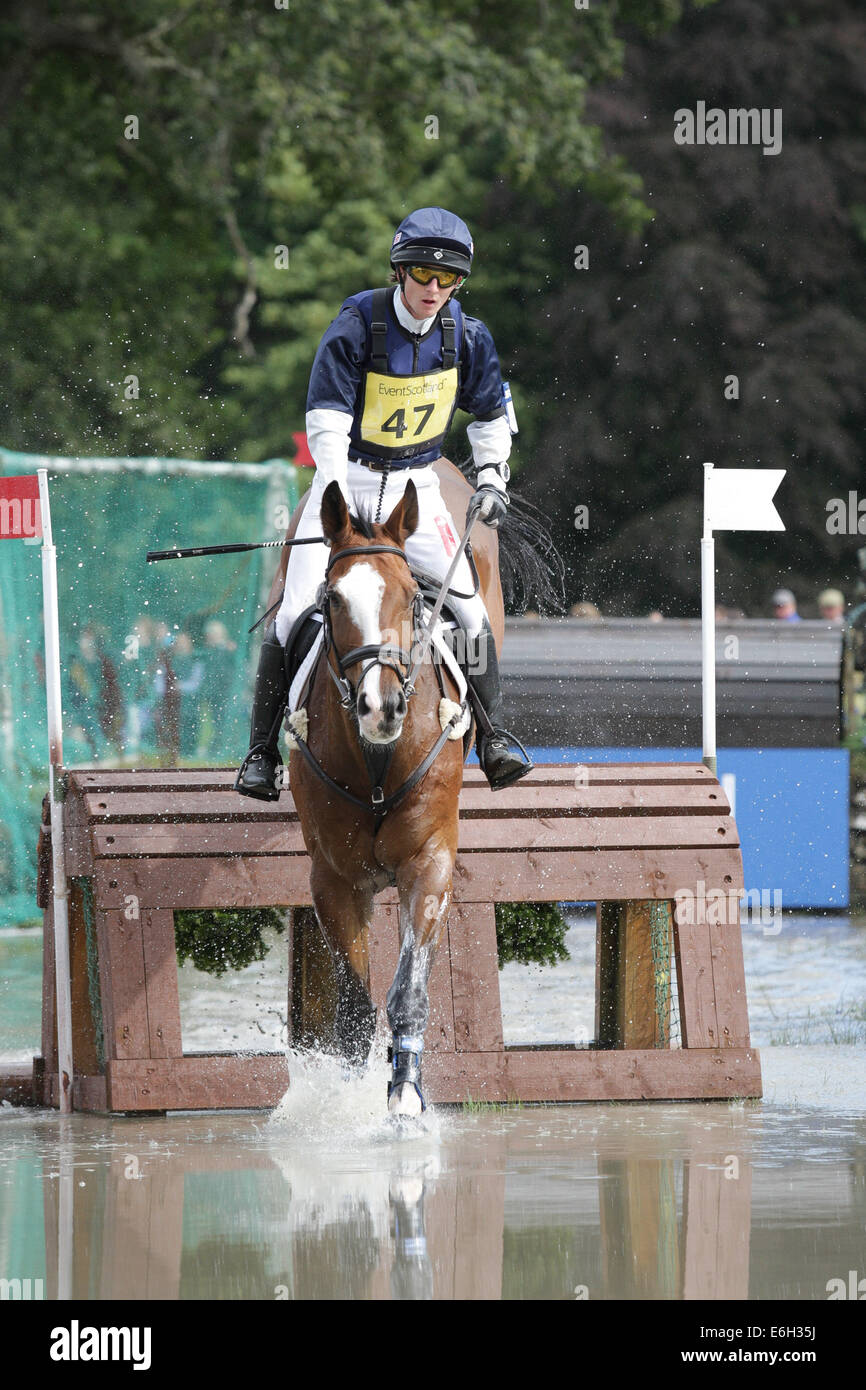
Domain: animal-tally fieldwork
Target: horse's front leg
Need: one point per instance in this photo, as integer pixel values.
(424, 885)
(343, 911)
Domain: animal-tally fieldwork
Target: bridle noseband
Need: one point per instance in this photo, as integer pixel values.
(374, 654)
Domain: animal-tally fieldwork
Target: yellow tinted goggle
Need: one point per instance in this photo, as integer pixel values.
(423, 274)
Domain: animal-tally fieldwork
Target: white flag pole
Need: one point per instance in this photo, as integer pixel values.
(708, 628)
(56, 791)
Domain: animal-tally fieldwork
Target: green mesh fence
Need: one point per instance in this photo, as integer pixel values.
(157, 664)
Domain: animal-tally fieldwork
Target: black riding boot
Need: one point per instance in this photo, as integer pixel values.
(500, 766)
(259, 770)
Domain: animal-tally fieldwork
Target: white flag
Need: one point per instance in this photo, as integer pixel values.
(741, 499)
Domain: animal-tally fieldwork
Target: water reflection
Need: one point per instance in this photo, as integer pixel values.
(629, 1202)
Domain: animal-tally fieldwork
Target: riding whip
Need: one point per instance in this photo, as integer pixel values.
(226, 549)
(427, 632)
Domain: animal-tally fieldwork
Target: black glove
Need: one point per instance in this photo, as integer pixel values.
(490, 503)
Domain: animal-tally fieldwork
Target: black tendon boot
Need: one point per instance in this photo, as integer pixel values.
(259, 770)
(499, 764)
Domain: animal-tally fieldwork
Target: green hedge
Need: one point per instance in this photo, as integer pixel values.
(230, 939)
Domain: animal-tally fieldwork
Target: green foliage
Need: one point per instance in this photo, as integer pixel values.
(752, 267)
(530, 933)
(230, 939)
(258, 128)
(220, 940)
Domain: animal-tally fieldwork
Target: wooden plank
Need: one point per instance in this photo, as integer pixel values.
(85, 1051)
(88, 1092)
(598, 832)
(247, 881)
(215, 1082)
(151, 840)
(161, 983)
(312, 983)
(606, 972)
(107, 807)
(480, 876)
(16, 1084)
(626, 1013)
(645, 1007)
(565, 796)
(698, 1022)
(143, 802)
(475, 977)
(222, 778)
(122, 983)
(560, 832)
(561, 1075)
(591, 875)
(639, 799)
(729, 981)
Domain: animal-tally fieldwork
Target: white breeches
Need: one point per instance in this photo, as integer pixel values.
(431, 546)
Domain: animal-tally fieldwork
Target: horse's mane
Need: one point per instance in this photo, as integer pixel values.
(362, 520)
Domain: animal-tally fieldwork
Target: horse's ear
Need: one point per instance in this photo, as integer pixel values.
(404, 518)
(335, 514)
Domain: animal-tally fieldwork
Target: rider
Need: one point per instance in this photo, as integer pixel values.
(389, 373)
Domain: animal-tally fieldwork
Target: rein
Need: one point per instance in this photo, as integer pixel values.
(375, 654)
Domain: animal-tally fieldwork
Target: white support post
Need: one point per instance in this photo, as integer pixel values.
(708, 629)
(56, 791)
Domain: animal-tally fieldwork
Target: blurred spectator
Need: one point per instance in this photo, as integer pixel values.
(831, 606)
(728, 615)
(189, 669)
(785, 606)
(655, 616)
(141, 663)
(218, 654)
(96, 701)
(166, 718)
(585, 610)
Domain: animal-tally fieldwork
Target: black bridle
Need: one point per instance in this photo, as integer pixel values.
(374, 654)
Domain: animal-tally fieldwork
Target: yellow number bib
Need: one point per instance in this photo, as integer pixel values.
(401, 412)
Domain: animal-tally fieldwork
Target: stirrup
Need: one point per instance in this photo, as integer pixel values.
(406, 1053)
(264, 791)
(503, 736)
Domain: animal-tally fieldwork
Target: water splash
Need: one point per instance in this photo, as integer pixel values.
(330, 1104)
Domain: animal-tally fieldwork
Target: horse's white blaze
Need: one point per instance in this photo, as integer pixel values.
(361, 589)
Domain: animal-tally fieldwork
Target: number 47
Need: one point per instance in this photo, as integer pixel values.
(396, 423)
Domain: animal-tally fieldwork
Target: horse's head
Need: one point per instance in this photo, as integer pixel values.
(370, 602)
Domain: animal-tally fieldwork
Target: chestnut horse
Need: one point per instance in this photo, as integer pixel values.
(353, 853)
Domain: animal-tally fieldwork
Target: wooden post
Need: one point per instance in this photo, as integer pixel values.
(633, 974)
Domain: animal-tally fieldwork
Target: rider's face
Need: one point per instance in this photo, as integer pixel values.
(424, 300)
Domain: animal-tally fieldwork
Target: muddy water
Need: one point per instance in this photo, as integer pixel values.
(763, 1200)
(323, 1200)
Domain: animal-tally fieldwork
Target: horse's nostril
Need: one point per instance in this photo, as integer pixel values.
(363, 703)
(394, 706)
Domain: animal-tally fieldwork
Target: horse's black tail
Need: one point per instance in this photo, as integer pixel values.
(531, 568)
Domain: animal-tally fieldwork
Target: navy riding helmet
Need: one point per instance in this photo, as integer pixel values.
(433, 236)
